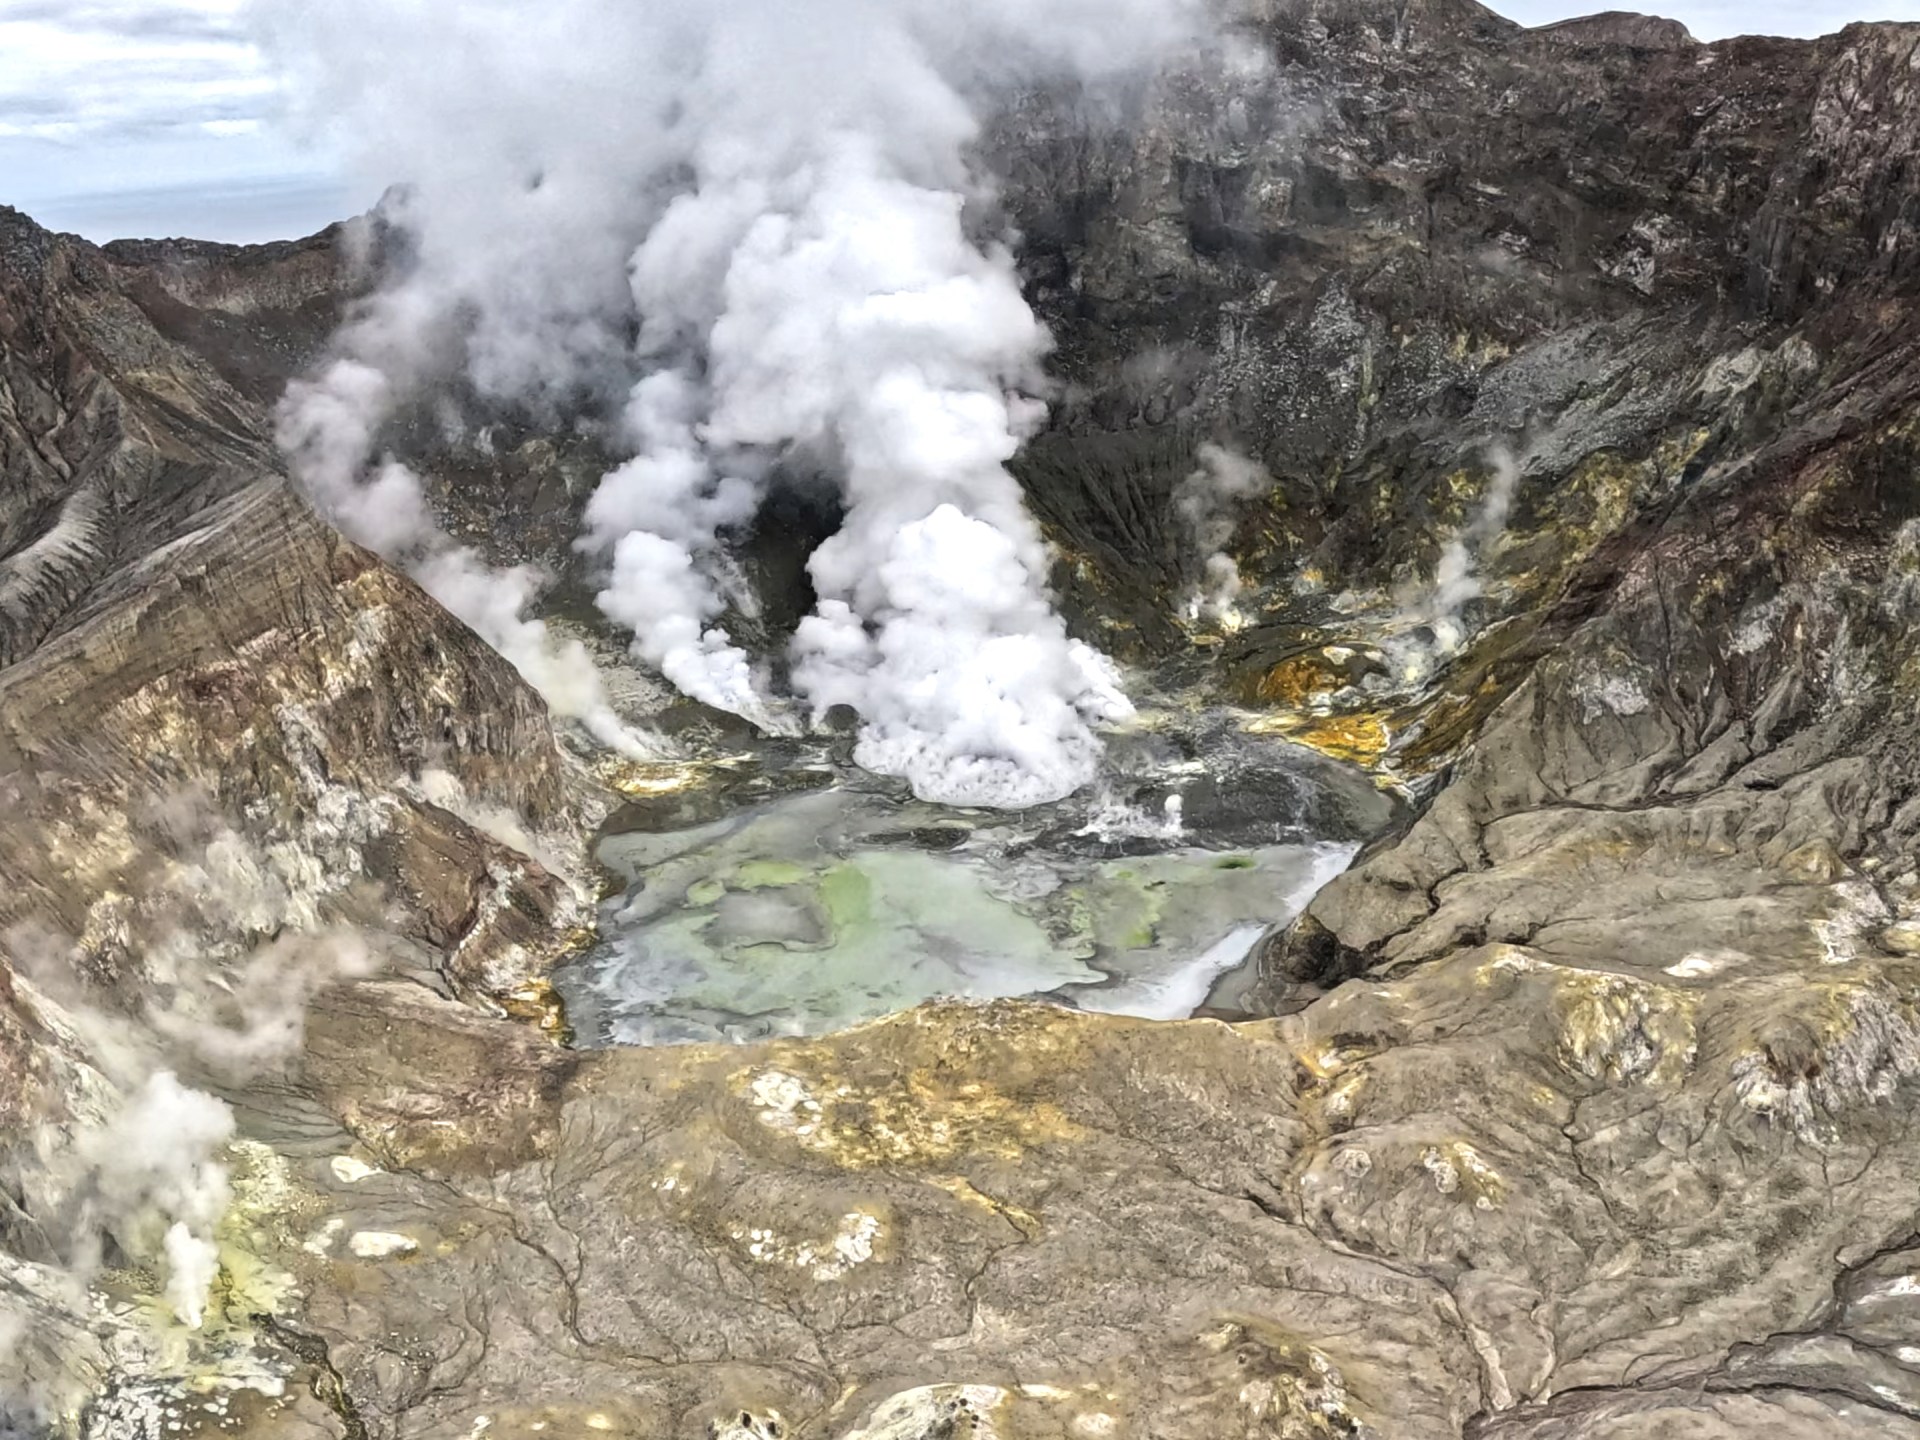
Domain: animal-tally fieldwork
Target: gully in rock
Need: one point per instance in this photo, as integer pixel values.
(1158, 718)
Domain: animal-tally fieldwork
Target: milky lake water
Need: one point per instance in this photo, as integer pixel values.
(813, 911)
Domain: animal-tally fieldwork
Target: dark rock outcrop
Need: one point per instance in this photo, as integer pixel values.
(1406, 244)
(1592, 1114)
(258, 314)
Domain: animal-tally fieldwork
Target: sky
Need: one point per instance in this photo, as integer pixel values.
(155, 117)
(162, 117)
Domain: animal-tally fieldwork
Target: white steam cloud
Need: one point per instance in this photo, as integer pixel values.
(1440, 607)
(153, 1166)
(329, 429)
(223, 961)
(760, 221)
(146, 1170)
(1456, 579)
(1206, 502)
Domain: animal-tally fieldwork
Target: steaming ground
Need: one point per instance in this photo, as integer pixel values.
(1207, 501)
(738, 238)
(133, 1176)
(1432, 625)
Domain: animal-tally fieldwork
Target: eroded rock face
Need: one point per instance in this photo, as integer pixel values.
(1590, 1112)
(197, 634)
(258, 314)
(1461, 1193)
(1420, 239)
(962, 1217)
(222, 728)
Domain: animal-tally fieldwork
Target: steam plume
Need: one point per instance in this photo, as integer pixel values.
(153, 1165)
(1456, 579)
(1206, 501)
(776, 197)
(137, 1156)
(329, 428)
(1439, 609)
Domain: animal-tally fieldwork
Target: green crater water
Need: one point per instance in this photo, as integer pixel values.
(819, 911)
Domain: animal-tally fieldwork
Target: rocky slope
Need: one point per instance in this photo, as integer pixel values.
(1585, 1107)
(182, 624)
(220, 725)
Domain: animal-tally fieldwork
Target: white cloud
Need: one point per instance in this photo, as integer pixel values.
(101, 68)
(144, 117)
(1719, 19)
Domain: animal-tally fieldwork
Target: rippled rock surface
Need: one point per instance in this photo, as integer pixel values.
(1589, 1111)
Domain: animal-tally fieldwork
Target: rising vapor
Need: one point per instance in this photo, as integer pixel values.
(1432, 617)
(759, 222)
(131, 1167)
(329, 428)
(1208, 502)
